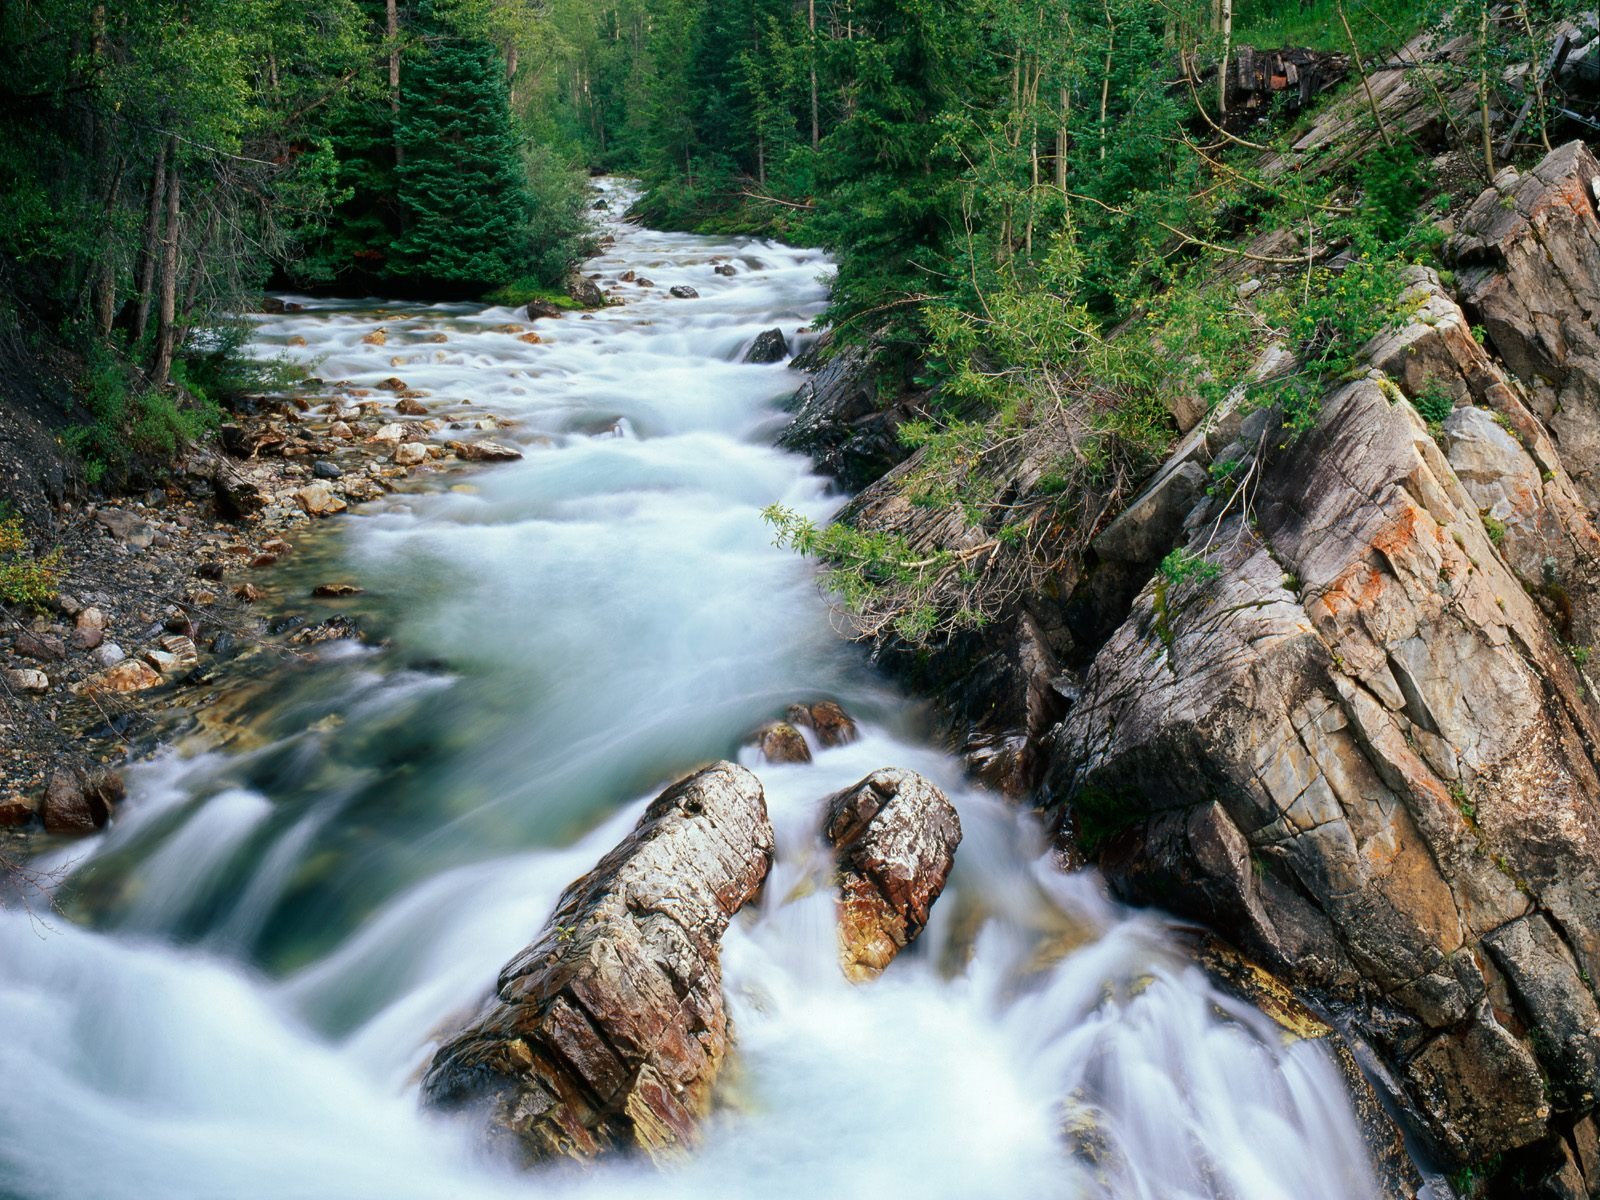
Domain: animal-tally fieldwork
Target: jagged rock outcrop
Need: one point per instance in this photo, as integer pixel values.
(607, 1032)
(1362, 750)
(896, 835)
(838, 419)
(1528, 255)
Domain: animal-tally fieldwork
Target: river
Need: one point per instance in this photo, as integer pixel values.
(265, 946)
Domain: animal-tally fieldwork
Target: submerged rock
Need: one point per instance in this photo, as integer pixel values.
(607, 1032)
(896, 836)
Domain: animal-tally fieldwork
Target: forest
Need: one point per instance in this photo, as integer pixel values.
(966, 163)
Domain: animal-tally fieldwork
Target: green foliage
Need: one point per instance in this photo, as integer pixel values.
(25, 578)
(1494, 527)
(1434, 402)
(133, 426)
(1184, 566)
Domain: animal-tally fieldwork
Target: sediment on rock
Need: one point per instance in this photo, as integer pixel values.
(895, 835)
(608, 1031)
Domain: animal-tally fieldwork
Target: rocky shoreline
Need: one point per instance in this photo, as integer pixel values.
(163, 595)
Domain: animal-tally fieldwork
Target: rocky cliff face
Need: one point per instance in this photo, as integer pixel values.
(1365, 749)
(608, 1031)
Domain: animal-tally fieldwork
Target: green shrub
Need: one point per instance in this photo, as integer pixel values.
(25, 578)
(1434, 403)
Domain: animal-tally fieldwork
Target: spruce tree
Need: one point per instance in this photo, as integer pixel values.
(462, 190)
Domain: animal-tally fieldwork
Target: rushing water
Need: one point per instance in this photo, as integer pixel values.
(271, 938)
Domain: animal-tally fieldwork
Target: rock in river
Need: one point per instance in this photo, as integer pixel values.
(896, 836)
(484, 452)
(769, 347)
(608, 1031)
(781, 742)
(832, 725)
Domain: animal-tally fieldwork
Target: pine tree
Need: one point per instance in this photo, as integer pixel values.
(462, 192)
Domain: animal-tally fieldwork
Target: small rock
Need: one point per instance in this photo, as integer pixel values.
(15, 811)
(181, 648)
(484, 452)
(75, 805)
(781, 742)
(130, 675)
(832, 725)
(341, 430)
(409, 454)
(110, 654)
(541, 308)
(323, 469)
(643, 282)
(725, 269)
(626, 277)
(318, 500)
(392, 432)
(336, 589)
(683, 291)
(92, 618)
(23, 679)
(435, 339)
(393, 384)
(126, 528)
(377, 337)
(411, 408)
(533, 339)
(297, 340)
(41, 647)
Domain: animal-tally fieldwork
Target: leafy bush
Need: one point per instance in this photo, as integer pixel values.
(1434, 403)
(25, 578)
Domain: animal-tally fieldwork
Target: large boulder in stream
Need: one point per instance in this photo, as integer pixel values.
(896, 835)
(769, 347)
(608, 1031)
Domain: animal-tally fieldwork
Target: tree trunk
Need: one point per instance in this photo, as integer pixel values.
(166, 325)
(392, 12)
(1222, 67)
(149, 246)
(811, 22)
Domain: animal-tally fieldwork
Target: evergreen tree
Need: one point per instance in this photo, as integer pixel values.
(463, 196)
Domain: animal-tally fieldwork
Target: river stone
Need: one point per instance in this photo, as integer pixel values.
(319, 500)
(781, 742)
(537, 309)
(77, 804)
(126, 528)
(683, 291)
(409, 454)
(409, 407)
(832, 725)
(726, 269)
(484, 452)
(585, 291)
(23, 679)
(15, 811)
(41, 647)
(607, 1032)
(895, 835)
(769, 347)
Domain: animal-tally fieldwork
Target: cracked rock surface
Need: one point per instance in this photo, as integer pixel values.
(608, 1031)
